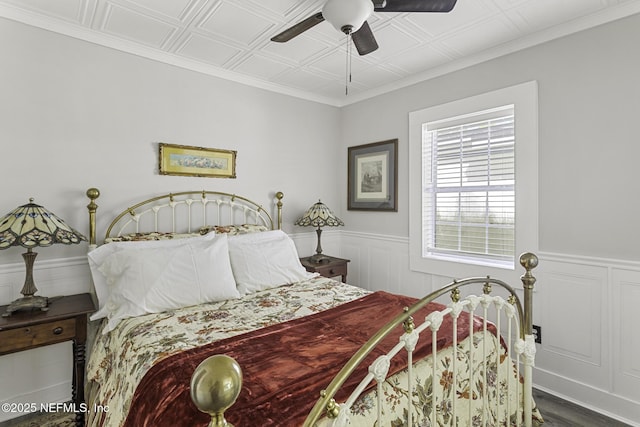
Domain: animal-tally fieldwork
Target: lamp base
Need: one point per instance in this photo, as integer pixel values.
(319, 258)
(29, 302)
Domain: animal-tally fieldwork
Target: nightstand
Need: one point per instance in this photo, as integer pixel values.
(65, 320)
(330, 268)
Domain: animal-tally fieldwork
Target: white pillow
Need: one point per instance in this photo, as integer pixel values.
(265, 260)
(156, 279)
(97, 256)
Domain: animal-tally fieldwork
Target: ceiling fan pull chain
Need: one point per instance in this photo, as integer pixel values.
(350, 53)
(347, 76)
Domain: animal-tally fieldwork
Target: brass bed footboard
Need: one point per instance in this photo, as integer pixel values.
(523, 347)
(510, 402)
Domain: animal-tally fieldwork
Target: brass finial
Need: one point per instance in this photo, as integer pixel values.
(333, 409)
(93, 194)
(529, 261)
(408, 325)
(486, 289)
(455, 295)
(215, 386)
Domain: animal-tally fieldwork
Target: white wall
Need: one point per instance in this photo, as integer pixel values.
(589, 98)
(75, 115)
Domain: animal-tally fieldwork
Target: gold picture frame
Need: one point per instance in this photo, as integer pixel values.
(185, 160)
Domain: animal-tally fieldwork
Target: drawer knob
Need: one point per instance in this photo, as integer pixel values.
(332, 271)
(57, 331)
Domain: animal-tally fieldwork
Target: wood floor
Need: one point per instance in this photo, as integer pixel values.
(556, 413)
(560, 413)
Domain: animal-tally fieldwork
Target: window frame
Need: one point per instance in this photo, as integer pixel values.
(524, 98)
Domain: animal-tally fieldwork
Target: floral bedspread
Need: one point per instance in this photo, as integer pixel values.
(120, 359)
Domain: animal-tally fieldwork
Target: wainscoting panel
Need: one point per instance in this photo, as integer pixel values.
(382, 263)
(356, 274)
(588, 309)
(571, 303)
(626, 333)
(41, 375)
(52, 278)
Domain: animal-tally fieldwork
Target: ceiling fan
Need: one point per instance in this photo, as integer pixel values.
(350, 17)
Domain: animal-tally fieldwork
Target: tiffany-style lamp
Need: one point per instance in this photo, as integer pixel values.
(319, 215)
(29, 226)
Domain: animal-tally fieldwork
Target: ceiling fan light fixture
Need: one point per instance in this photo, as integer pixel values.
(347, 15)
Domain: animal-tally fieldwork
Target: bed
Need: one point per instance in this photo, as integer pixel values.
(206, 315)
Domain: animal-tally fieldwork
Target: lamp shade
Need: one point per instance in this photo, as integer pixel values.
(319, 215)
(32, 225)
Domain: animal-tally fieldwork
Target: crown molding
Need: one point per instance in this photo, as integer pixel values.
(580, 24)
(77, 31)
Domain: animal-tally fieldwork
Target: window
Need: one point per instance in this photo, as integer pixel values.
(473, 182)
(469, 187)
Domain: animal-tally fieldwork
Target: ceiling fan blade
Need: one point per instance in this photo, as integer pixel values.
(364, 40)
(413, 5)
(298, 29)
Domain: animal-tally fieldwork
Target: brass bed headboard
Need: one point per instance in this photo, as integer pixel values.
(188, 207)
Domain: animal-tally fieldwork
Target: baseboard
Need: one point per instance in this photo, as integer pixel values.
(591, 398)
(56, 393)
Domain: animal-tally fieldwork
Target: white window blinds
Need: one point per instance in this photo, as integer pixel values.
(469, 186)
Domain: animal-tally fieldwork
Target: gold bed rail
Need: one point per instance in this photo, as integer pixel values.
(94, 193)
(327, 406)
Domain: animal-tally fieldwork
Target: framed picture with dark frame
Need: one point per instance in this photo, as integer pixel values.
(197, 161)
(373, 176)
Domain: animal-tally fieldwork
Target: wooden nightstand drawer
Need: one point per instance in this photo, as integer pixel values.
(332, 270)
(12, 340)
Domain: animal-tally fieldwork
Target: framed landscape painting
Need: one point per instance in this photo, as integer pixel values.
(197, 161)
(373, 176)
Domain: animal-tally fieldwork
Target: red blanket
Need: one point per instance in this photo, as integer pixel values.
(284, 366)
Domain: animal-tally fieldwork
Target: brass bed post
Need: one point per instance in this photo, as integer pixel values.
(92, 194)
(529, 261)
(279, 196)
